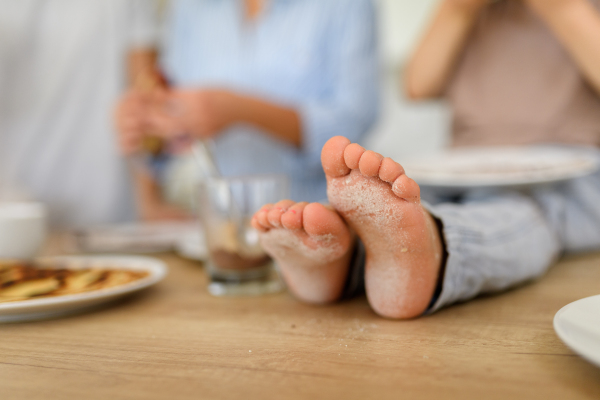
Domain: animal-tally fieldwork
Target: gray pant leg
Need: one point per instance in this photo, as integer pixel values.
(493, 243)
(573, 211)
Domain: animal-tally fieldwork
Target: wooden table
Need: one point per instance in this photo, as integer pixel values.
(175, 341)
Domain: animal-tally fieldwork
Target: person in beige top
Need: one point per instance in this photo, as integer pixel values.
(515, 72)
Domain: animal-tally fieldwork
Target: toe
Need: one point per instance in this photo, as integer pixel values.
(332, 157)
(369, 163)
(320, 220)
(274, 215)
(406, 188)
(256, 225)
(261, 216)
(390, 170)
(292, 219)
(352, 155)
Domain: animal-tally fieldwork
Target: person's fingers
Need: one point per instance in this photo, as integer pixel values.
(165, 125)
(174, 102)
(180, 144)
(159, 98)
(130, 123)
(130, 144)
(128, 117)
(177, 112)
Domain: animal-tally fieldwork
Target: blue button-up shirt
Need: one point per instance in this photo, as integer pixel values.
(318, 56)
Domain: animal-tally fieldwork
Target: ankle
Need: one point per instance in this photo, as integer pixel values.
(441, 255)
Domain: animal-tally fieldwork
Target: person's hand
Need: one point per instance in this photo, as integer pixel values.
(132, 113)
(131, 120)
(200, 113)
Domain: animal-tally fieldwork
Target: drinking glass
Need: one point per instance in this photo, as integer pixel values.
(237, 264)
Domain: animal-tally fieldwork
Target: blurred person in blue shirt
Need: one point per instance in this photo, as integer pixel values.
(269, 81)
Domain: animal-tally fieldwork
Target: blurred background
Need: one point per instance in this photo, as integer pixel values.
(55, 148)
(405, 127)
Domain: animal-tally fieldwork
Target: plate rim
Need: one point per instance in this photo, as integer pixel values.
(564, 337)
(158, 272)
(441, 183)
(590, 155)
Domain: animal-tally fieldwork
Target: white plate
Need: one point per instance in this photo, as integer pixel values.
(142, 237)
(578, 325)
(502, 166)
(47, 307)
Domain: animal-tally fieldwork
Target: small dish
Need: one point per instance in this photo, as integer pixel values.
(140, 238)
(48, 307)
(578, 325)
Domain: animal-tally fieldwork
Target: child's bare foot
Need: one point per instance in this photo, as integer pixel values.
(311, 244)
(382, 205)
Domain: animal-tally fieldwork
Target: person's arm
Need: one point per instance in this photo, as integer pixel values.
(433, 62)
(205, 113)
(279, 120)
(576, 23)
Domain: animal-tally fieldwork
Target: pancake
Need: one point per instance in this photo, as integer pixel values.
(24, 281)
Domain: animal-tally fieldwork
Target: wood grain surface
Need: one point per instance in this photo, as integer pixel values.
(175, 341)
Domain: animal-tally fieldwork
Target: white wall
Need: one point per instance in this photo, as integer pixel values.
(401, 23)
(405, 128)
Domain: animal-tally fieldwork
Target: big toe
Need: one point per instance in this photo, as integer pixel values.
(332, 157)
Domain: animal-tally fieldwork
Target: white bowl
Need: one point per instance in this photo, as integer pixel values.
(22, 229)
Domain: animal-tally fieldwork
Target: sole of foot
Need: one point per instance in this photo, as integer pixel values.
(312, 246)
(382, 205)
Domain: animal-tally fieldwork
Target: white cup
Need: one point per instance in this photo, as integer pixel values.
(22, 229)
